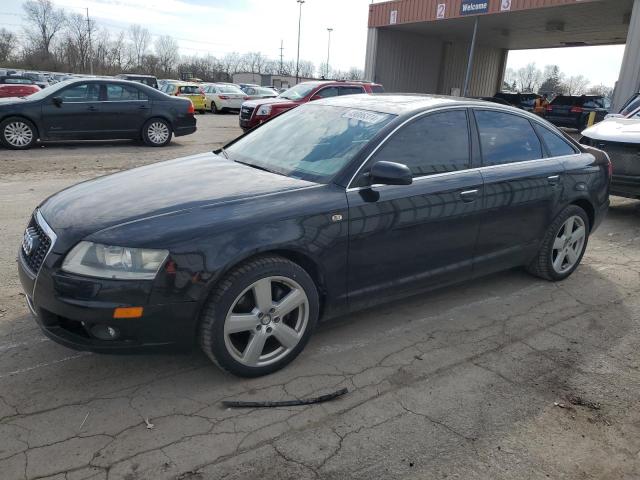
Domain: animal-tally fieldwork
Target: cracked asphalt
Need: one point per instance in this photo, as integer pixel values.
(507, 377)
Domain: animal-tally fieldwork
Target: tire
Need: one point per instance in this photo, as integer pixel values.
(214, 108)
(18, 133)
(202, 112)
(560, 254)
(156, 132)
(262, 339)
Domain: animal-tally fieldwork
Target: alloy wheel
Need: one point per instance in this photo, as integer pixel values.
(266, 321)
(18, 134)
(158, 132)
(568, 244)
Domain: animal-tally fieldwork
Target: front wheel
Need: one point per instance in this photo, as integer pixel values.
(563, 246)
(17, 133)
(260, 317)
(156, 132)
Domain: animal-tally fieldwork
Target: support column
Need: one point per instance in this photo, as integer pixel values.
(629, 79)
(371, 55)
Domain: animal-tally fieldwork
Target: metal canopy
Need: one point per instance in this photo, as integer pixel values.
(589, 23)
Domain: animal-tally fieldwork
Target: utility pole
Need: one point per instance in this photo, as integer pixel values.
(281, 57)
(300, 2)
(90, 53)
(328, 50)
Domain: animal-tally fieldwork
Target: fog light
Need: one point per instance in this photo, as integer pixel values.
(105, 332)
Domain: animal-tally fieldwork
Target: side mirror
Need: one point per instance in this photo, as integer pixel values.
(390, 173)
(57, 101)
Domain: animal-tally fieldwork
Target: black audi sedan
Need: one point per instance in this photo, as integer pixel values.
(95, 109)
(331, 207)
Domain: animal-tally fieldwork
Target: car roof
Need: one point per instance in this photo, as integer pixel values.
(399, 104)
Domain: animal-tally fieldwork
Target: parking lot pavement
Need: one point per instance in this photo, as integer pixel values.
(502, 378)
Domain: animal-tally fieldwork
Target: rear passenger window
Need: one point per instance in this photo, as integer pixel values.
(377, 89)
(435, 143)
(506, 138)
(120, 93)
(556, 145)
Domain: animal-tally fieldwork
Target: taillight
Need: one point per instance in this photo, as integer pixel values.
(246, 98)
(609, 168)
(191, 108)
(576, 110)
(223, 97)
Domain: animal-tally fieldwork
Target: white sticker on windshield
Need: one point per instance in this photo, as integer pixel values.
(364, 116)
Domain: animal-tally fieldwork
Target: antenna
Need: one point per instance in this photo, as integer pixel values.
(281, 57)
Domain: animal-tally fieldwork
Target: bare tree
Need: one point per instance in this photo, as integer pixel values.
(306, 68)
(600, 89)
(355, 74)
(529, 78)
(576, 85)
(77, 42)
(43, 21)
(167, 51)
(8, 43)
(140, 39)
(231, 63)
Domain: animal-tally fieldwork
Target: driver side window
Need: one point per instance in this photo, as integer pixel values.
(84, 92)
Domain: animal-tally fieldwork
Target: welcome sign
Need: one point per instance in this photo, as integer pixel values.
(470, 7)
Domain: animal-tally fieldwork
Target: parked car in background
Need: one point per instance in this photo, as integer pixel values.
(255, 112)
(14, 86)
(243, 86)
(573, 110)
(620, 138)
(525, 101)
(192, 91)
(222, 97)
(39, 79)
(149, 80)
(92, 109)
(255, 93)
(326, 209)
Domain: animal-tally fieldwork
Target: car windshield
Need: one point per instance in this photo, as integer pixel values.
(51, 91)
(312, 142)
(299, 91)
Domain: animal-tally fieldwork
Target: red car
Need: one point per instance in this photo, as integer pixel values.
(17, 87)
(255, 112)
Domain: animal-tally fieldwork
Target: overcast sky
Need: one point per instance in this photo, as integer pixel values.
(222, 26)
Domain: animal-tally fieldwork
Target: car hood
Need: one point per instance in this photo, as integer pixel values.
(274, 101)
(615, 130)
(171, 187)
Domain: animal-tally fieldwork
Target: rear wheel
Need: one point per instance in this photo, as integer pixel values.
(563, 246)
(156, 132)
(260, 317)
(214, 109)
(17, 133)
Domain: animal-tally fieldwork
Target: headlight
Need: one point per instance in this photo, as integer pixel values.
(264, 110)
(120, 263)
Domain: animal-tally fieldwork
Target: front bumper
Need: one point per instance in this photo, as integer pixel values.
(68, 308)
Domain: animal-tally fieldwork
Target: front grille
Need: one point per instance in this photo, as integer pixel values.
(41, 246)
(245, 113)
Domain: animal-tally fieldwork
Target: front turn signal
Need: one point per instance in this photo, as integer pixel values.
(128, 312)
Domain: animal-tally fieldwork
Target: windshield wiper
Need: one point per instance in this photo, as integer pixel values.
(223, 151)
(253, 165)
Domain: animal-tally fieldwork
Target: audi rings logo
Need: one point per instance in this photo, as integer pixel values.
(29, 240)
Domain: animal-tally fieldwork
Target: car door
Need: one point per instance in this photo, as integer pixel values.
(522, 185)
(73, 112)
(125, 110)
(408, 237)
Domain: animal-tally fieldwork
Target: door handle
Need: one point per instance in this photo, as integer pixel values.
(143, 107)
(469, 196)
(553, 179)
(92, 108)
